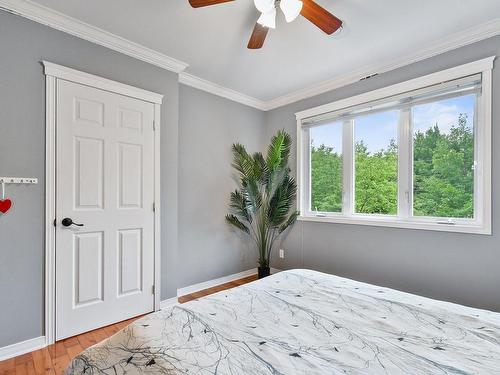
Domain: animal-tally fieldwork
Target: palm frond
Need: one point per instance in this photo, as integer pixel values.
(260, 167)
(289, 222)
(242, 161)
(253, 196)
(278, 209)
(275, 180)
(282, 201)
(235, 222)
(238, 206)
(279, 150)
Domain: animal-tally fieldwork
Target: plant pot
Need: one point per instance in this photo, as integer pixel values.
(264, 272)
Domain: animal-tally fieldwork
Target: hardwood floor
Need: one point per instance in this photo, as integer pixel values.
(55, 358)
(215, 289)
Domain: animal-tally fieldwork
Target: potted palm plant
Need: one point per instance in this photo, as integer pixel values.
(262, 206)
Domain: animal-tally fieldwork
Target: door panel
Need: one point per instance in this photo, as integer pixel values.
(130, 260)
(89, 112)
(89, 176)
(105, 181)
(130, 119)
(130, 182)
(88, 268)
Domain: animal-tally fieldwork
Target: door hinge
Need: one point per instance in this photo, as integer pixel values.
(152, 289)
(154, 125)
(154, 207)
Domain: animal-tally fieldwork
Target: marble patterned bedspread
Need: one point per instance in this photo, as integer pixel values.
(303, 322)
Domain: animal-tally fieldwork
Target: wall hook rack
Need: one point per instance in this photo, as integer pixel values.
(18, 180)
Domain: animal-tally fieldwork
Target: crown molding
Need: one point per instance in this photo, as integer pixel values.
(70, 25)
(68, 74)
(82, 30)
(465, 37)
(429, 80)
(216, 89)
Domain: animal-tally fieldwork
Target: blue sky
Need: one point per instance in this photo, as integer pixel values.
(377, 129)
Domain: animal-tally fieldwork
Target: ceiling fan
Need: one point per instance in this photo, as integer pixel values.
(290, 8)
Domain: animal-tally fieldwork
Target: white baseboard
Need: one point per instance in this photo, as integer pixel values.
(209, 284)
(221, 280)
(22, 347)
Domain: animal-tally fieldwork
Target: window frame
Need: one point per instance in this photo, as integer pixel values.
(481, 224)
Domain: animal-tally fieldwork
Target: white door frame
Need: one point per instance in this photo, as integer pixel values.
(53, 73)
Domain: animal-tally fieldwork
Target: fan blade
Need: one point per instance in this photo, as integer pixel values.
(320, 17)
(205, 3)
(258, 36)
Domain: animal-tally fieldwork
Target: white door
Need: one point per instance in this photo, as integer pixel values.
(105, 182)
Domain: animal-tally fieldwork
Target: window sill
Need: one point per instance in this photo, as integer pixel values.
(399, 223)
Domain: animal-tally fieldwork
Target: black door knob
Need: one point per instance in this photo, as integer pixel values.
(68, 222)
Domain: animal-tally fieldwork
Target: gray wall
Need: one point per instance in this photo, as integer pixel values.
(22, 151)
(208, 126)
(462, 268)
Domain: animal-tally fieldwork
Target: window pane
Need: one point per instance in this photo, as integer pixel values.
(376, 163)
(443, 158)
(326, 168)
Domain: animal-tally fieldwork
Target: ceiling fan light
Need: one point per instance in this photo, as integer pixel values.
(264, 6)
(291, 9)
(268, 19)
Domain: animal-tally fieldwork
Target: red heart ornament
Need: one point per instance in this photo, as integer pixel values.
(5, 205)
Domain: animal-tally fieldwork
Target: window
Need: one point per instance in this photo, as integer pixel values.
(412, 155)
(376, 163)
(443, 157)
(326, 168)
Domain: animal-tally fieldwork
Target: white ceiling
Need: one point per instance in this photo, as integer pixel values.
(213, 40)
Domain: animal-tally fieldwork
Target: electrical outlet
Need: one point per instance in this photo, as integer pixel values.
(282, 254)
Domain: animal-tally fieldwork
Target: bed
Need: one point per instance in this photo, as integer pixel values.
(303, 322)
